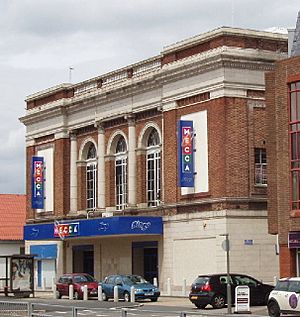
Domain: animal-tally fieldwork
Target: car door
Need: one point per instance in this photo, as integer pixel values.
(109, 286)
(255, 287)
(292, 297)
(119, 283)
(221, 286)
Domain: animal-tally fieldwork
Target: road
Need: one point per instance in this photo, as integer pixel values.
(165, 307)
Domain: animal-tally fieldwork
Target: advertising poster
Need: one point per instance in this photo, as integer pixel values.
(21, 274)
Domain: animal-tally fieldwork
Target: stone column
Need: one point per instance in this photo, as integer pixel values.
(73, 173)
(101, 167)
(131, 162)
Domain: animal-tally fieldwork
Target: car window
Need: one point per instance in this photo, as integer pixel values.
(118, 280)
(201, 280)
(245, 280)
(294, 286)
(282, 286)
(61, 279)
(83, 278)
(223, 279)
(110, 280)
(135, 279)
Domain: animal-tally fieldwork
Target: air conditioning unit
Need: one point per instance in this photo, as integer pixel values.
(107, 214)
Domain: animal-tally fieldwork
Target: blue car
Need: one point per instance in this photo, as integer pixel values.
(143, 289)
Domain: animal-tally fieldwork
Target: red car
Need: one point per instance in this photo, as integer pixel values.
(78, 280)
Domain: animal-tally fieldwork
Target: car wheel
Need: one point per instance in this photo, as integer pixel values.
(218, 301)
(58, 295)
(126, 297)
(104, 297)
(199, 306)
(273, 309)
(154, 299)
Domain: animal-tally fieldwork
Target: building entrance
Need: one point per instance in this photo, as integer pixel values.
(145, 259)
(83, 259)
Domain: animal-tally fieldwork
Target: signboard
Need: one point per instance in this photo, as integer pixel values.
(37, 195)
(294, 240)
(242, 299)
(21, 274)
(185, 154)
(64, 230)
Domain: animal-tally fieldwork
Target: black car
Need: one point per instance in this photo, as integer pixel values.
(212, 289)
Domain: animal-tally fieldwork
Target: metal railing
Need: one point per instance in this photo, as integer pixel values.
(13, 308)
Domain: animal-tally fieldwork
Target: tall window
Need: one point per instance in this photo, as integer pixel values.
(260, 167)
(91, 178)
(153, 169)
(121, 174)
(294, 130)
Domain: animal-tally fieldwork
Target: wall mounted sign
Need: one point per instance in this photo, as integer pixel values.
(66, 229)
(110, 226)
(37, 195)
(294, 240)
(185, 153)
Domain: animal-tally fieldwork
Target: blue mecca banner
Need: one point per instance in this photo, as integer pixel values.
(37, 194)
(185, 153)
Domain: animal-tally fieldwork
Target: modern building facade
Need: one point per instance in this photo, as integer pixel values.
(144, 169)
(283, 113)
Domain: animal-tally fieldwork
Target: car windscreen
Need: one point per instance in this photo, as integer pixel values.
(83, 278)
(201, 280)
(134, 279)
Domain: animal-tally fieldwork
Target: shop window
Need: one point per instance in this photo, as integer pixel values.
(121, 174)
(91, 178)
(260, 167)
(294, 132)
(153, 169)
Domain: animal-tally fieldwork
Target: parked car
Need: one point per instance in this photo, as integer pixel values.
(78, 280)
(143, 289)
(285, 297)
(212, 289)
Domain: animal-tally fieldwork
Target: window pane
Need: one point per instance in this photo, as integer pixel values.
(293, 106)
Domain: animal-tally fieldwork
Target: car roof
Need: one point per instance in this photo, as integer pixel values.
(297, 279)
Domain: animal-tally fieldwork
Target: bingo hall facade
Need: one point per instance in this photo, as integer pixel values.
(146, 167)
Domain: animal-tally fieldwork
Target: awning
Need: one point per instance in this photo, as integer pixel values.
(123, 225)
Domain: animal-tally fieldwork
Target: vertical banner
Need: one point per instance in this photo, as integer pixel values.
(37, 195)
(185, 153)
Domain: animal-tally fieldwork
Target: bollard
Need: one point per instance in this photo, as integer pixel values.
(116, 294)
(100, 296)
(54, 291)
(155, 281)
(132, 294)
(184, 287)
(30, 309)
(169, 286)
(74, 311)
(85, 292)
(71, 291)
(182, 314)
(124, 312)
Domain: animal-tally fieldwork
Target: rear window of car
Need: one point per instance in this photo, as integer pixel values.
(201, 280)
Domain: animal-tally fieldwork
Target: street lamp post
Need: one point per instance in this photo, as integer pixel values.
(226, 248)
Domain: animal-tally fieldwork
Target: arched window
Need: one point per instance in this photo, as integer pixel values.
(153, 169)
(121, 173)
(91, 177)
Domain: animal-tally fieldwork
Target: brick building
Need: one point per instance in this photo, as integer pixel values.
(110, 146)
(283, 105)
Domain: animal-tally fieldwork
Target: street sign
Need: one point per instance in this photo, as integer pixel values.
(242, 299)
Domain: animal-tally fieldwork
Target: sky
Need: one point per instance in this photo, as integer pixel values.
(41, 39)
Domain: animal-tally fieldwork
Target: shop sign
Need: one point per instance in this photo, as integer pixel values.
(242, 299)
(37, 195)
(294, 240)
(66, 229)
(186, 153)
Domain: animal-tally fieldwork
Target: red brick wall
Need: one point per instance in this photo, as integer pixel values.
(287, 261)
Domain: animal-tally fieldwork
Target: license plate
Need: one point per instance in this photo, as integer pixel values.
(194, 297)
(149, 294)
